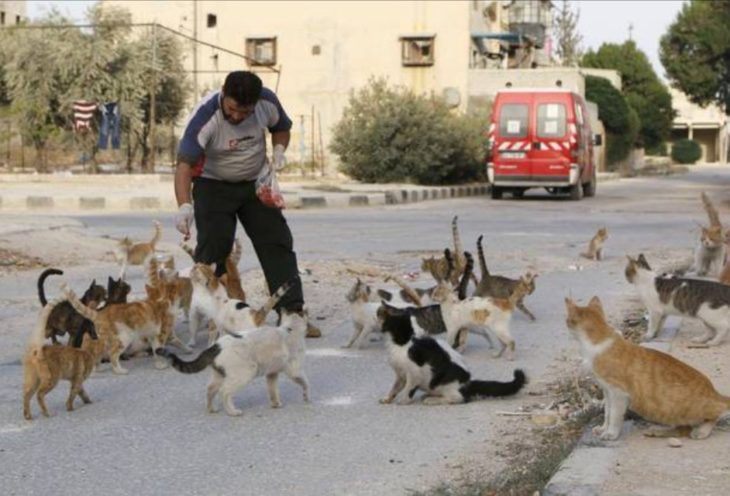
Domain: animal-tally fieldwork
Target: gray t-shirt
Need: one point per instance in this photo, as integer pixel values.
(231, 152)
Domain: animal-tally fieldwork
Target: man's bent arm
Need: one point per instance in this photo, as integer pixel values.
(280, 138)
(183, 179)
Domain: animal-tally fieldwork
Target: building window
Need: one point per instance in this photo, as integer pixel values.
(212, 20)
(261, 51)
(17, 19)
(316, 49)
(417, 50)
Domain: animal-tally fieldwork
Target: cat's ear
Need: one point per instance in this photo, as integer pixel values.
(642, 262)
(569, 304)
(595, 304)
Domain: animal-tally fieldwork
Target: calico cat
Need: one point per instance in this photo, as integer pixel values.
(238, 358)
(64, 319)
(45, 365)
(364, 313)
(210, 300)
(434, 367)
(653, 384)
(500, 286)
(128, 252)
(707, 301)
(596, 245)
(710, 252)
(439, 267)
(476, 314)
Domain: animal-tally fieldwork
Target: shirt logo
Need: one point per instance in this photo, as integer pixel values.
(234, 144)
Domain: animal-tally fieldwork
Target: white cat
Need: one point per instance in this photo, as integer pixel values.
(238, 358)
(364, 313)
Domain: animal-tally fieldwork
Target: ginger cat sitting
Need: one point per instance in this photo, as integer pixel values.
(653, 384)
(595, 247)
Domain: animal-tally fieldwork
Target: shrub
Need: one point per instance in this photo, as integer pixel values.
(389, 134)
(686, 151)
(620, 120)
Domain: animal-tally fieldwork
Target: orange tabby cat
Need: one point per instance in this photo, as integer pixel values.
(596, 245)
(653, 384)
(131, 253)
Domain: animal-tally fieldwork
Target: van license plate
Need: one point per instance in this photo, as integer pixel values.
(510, 154)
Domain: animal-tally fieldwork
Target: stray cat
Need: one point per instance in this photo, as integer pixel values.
(210, 300)
(477, 313)
(128, 252)
(238, 358)
(434, 367)
(708, 301)
(364, 313)
(725, 273)
(121, 324)
(184, 287)
(231, 280)
(710, 252)
(653, 384)
(439, 267)
(64, 319)
(45, 365)
(596, 245)
(500, 286)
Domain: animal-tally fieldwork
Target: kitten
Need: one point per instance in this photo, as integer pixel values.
(184, 287)
(45, 365)
(120, 324)
(210, 300)
(710, 253)
(707, 301)
(434, 367)
(237, 359)
(364, 313)
(128, 252)
(476, 314)
(653, 384)
(596, 245)
(64, 319)
(500, 286)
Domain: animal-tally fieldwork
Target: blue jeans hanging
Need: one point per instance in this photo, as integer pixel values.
(110, 125)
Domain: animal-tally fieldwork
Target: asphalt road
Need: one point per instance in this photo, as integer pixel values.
(148, 434)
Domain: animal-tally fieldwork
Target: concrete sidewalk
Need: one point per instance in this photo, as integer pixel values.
(125, 192)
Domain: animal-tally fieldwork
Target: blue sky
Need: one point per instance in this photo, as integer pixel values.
(600, 20)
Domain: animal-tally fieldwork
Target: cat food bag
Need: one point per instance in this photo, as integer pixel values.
(267, 188)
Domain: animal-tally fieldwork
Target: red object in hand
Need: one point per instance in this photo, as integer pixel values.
(269, 198)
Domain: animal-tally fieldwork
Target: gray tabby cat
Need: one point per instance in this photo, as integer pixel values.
(500, 286)
(667, 294)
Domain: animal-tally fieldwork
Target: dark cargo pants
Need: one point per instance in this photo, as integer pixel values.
(217, 205)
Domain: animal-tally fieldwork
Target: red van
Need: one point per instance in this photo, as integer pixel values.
(541, 138)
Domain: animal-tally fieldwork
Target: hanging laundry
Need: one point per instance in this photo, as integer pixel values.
(111, 125)
(83, 114)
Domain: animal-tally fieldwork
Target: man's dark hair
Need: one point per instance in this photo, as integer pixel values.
(243, 86)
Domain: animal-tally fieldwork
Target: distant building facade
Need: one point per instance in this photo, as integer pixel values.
(708, 126)
(12, 12)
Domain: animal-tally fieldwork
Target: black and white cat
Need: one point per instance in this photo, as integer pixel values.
(422, 362)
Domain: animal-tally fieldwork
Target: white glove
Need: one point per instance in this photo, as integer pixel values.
(278, 161)
(184, 219)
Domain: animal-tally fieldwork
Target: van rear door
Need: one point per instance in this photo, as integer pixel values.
(513, 138)
(550, 151)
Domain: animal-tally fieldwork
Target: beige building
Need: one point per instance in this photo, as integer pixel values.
(12, 12)
(708, 126)
(315, 53)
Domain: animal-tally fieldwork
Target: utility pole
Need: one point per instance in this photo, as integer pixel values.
(631, 30)
(153, 99)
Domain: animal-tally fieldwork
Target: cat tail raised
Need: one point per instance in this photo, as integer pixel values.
(41, 282)
(205, 359)
(261, 313)
(157, 235)
(153, 271)
(711, 211)
(412, 294)
(38, 336)
(458, 248)
(465, 277)
(85, 311)
(482, 262)
(483, 389)
(188, 250)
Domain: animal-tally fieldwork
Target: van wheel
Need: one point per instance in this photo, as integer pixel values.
(518, 193)
(496, 193)
(576, 191)
(589, 188)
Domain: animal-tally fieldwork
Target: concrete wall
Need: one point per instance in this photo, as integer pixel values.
(12, 11)
(356, 40)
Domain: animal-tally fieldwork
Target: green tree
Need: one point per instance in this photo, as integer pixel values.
(619, 119)
(388, 134)
(695, 52)
(644, 91)
(567, 37)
